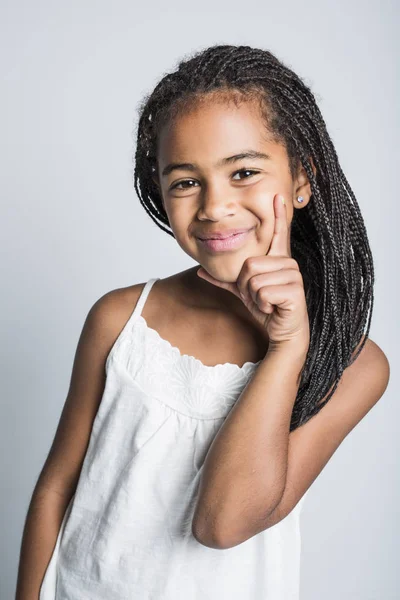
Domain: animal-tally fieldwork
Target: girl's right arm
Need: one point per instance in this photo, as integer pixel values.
(60, 474)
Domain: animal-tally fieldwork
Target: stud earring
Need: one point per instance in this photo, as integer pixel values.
(300, 199)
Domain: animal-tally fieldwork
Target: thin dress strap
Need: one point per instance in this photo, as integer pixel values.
(142, 299)
(134, 315)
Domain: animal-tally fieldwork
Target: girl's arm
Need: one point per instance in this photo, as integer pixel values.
(42, 524)
(255, 471)
(59, 477)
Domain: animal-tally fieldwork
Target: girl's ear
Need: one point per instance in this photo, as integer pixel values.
(314, 168)
(302, 186)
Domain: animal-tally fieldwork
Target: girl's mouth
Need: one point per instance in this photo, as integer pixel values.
(228, 243)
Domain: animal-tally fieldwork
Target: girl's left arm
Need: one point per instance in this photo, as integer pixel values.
(255, 471)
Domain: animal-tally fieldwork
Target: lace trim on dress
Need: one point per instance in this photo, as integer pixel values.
(157, 337)
(180, 381)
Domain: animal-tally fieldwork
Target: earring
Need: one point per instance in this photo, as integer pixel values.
(300, 199)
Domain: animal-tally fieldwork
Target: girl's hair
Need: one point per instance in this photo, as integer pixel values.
(328, 236)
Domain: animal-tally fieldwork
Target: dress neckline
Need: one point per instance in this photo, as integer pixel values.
(247, 366)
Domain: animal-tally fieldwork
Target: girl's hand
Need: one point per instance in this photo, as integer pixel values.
(271, 288)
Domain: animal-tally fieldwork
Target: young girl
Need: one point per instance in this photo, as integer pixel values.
(203, 406)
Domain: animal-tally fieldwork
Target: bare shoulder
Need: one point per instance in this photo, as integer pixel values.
(369, 368)
(372, 363)
(371, 349)
(374, 352)
(112, 310)
(107, 317)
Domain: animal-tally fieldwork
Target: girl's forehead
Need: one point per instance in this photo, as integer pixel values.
(215, 128)
(215, 113)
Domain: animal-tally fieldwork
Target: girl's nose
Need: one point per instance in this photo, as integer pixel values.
(216, 202)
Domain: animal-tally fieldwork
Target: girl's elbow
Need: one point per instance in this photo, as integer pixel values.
(210, 539)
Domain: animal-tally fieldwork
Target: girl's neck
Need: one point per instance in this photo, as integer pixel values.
(200, 293)
(194, 292)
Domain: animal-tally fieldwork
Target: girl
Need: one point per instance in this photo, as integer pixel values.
(203, 406)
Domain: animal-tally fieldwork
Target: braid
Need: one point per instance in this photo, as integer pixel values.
(328, 236)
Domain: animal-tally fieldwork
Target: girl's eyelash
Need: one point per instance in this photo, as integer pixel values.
(252, 171)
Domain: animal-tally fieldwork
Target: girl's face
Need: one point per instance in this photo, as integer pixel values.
(207, 186)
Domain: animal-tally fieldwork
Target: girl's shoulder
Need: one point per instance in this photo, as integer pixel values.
(111, 311)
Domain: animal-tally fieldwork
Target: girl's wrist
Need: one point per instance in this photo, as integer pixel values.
(293, 349)
(286, 358)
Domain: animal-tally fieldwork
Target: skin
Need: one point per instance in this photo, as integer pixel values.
(211, 197)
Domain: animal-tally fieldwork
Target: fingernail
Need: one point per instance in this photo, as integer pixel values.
(282, 198)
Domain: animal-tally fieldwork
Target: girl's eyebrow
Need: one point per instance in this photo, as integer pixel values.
(251, 154)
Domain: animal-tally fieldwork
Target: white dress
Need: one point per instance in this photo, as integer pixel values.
(126, 533)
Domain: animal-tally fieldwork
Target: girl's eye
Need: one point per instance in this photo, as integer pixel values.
(247, 171)
(251, 171)
(173, 187)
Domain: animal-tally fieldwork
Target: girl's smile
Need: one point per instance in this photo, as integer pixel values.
(229, 242)
(218, 170)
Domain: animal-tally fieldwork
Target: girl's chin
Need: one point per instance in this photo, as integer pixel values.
(224, 275)
(226, 267)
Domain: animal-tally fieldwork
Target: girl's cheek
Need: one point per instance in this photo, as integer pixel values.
(263, 201)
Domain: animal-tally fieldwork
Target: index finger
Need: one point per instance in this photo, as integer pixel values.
(280, 241)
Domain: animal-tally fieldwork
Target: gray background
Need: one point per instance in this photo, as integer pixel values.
(72, 74)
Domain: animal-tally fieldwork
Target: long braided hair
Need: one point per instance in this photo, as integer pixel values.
(328, 236)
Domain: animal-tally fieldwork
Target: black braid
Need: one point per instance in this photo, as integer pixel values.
(328, 236)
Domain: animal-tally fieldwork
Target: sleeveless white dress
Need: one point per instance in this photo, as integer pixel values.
(126, 533)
